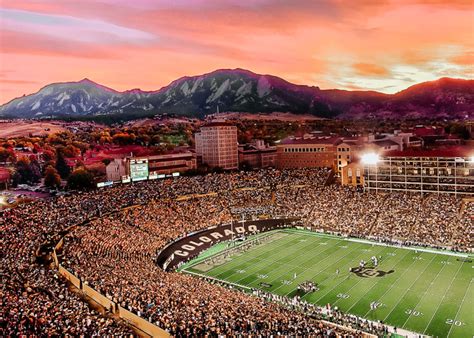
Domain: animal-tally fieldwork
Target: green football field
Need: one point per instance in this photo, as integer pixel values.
(428, 293)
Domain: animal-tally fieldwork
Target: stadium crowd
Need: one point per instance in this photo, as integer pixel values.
(125, 226)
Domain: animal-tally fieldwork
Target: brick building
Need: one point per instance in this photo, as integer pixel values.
(217, 146)
(309, 151)
(257, 155)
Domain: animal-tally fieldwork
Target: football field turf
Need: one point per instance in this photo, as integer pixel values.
(428, 293)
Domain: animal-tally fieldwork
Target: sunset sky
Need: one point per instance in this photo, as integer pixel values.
(359, 44)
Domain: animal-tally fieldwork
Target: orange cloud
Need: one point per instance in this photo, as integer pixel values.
(369, 69)
(466, 59)
(384, 45)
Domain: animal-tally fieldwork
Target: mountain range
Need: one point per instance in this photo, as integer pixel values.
(239, 90)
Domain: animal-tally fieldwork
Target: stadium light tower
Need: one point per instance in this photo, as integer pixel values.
(369, 159)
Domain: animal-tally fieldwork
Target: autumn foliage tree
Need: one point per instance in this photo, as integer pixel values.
(26, 172)
(52, 178)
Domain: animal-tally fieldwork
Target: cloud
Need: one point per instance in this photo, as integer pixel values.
(71, 28)
(466, 59)
(19, 81)
(34, 44)
(370, 70)
(372, 44)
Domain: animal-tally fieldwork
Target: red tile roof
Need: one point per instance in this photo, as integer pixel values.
(438, 152)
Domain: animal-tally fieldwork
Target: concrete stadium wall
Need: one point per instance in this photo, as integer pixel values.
(70, 277)
(134, 320)
(141, 323)
(98, 298)
(55, 259)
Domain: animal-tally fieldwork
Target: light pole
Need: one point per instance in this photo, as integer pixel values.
(370, 159)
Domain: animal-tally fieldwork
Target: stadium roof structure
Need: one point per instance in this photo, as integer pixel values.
(385, 143)
(456, 151)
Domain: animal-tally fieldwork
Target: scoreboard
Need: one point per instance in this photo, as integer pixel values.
(139, 169)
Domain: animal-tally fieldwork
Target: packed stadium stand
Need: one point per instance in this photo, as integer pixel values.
(109, 239)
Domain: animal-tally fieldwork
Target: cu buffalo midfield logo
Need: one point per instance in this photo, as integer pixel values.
(369, 272)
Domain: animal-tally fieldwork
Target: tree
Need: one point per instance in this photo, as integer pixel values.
(80, 179)
(26, 171)
(52, 178)
(61, 164)
(7, 155)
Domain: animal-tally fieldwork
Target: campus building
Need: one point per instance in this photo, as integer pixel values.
(116, 169)
(217, 146)
(257, 155)
(156, 165)
(308, 151)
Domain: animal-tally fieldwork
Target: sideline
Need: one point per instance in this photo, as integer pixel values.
(374, 242)
(209, 252)
(328, 323)
(391, 329)
(217, 280)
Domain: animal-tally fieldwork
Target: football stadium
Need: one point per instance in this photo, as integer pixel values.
(418, 289)
(257, 253)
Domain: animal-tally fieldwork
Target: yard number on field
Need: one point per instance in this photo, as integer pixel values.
(413, 313)
(454, 322)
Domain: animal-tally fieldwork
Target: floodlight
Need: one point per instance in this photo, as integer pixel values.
(370, 158)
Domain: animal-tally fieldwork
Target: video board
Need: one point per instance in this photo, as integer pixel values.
(139, 169)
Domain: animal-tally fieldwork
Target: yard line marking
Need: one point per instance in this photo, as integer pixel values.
(424, 293)
(460, 306)
(293, 266)
(365, 294)
(198, 260)
(337, 285)
(361, 279)
(324, 268)
(394, 283)
(426, 267)
(267, 250)
(256, 267)
(442, 299)
(375, 242)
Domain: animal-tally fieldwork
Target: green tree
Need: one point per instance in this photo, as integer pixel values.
(52, 178)
(80, 179)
